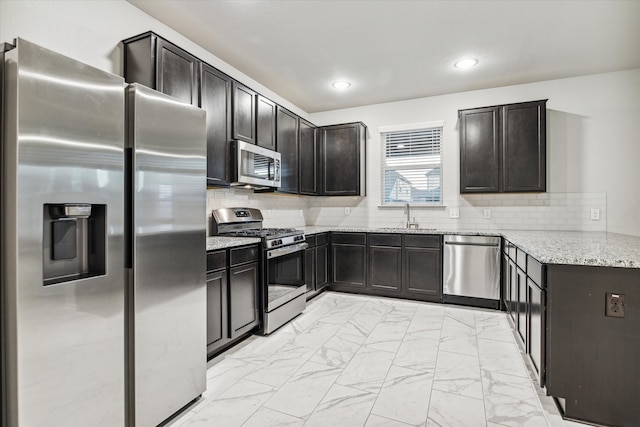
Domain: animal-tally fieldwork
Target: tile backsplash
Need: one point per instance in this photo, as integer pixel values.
(525, 211)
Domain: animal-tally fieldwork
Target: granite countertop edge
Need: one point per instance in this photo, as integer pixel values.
(221, 242)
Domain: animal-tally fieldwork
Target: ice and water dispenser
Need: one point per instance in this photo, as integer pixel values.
(74, 241)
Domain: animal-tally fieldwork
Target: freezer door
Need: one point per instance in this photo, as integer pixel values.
(167, 298)
(63, 146)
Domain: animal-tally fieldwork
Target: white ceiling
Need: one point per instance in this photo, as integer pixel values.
(397, 50)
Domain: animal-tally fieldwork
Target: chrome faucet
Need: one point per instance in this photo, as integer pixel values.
(410, 223)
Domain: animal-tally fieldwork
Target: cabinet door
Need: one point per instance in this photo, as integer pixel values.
(308, 149)
(322, 267)
(176, 72)
(524, 147)
(536, 327)
(385, 268)
(287, 144)
(217, 320)
(243, 298)
(244, 113)
(349, 264)
(342, 160)
(310, 268)
(522, 306)
(215, 99)
(480, 150)
(266, 122)
(506, 286)
(513, 292)
(423, 273)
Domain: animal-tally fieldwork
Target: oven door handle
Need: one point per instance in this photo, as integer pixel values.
(274, 253)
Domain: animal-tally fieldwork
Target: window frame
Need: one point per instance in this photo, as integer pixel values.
(384, 168)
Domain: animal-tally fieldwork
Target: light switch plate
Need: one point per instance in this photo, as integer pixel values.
(454, 213)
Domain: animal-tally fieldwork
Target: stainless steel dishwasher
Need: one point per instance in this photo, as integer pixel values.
(471, 271)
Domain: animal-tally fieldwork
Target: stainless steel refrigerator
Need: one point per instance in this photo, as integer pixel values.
(103, 246)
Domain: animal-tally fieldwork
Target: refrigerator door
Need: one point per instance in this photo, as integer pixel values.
(63, 275)
(167, 294)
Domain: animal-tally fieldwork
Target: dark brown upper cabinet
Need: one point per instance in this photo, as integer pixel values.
(266, 123)
(287, 145)
(159, 64)
(244, 113)
(343, 160)
(215, 99)
(308, 159)
(503, 148)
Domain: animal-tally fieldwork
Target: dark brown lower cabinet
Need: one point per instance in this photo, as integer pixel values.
(592, 359)
(513, 286)
(310, 267)
(322, 265)
(232, 296)
(536, 325)
(396, 265)
(243, 298)
(422, 273)
(385, 268)
(217, 315)
(521, 278)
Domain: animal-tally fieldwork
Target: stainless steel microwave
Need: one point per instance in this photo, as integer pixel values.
(254, 167)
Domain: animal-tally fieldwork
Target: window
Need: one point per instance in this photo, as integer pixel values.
(411, 164)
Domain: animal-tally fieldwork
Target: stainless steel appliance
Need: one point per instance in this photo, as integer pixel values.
(166, 263)
(471, 271)
(254, 167)
(284, 286)
(103, 303)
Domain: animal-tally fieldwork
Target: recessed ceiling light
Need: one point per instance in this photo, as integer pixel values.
(465, 63)
(341, 84)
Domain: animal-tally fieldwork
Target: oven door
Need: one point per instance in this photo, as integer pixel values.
(284, 275)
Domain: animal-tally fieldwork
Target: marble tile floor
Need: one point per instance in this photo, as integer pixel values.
(351, 361)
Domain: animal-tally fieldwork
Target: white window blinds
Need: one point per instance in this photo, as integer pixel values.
(411, 164)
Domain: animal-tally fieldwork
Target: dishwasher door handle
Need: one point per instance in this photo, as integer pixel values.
(486, 245)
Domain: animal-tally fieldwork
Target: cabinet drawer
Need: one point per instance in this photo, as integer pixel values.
(385, 240)
(322, 239)
(534, 271)
(352, 238)
(422, 241)
(521, 259)
(243, 255)
(216, 260)
(311, 240)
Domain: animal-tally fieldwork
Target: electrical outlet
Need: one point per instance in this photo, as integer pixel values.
(347, 211)
(300, 214)
(595, 214)
(614, 305)
(454, 213)
(487, 214)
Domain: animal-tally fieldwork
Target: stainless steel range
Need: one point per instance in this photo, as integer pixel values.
(284, 287)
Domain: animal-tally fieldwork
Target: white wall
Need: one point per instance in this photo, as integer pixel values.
(91, 31)
(593, 150)
(593, 147)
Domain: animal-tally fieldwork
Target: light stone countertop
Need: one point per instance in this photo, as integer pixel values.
(548, 247)
(218, 242)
